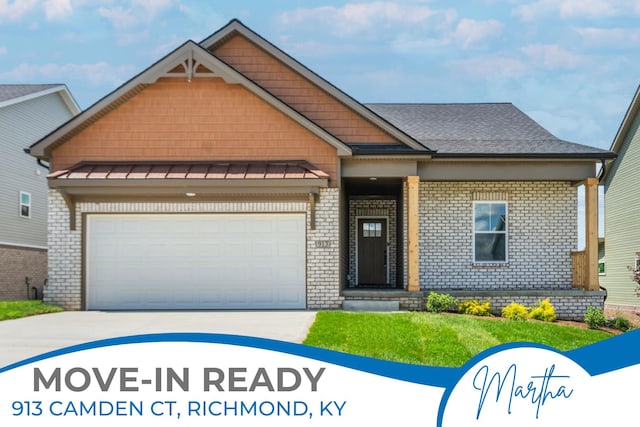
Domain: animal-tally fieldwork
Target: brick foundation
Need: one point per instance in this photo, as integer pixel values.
(569, 304)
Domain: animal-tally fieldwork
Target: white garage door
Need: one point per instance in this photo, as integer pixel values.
(195, 261)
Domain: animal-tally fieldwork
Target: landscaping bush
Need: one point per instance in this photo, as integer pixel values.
(475, 308)
(594, 318)
(620, 323)
(437, 303)
(515, 311)
(544, 311)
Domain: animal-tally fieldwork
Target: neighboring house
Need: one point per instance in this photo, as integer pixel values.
(228, 175)
(621, 179)
(27, 113)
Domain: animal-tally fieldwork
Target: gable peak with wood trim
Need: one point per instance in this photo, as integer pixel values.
(327, 113)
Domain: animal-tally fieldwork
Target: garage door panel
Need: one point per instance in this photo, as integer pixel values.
(195, 261)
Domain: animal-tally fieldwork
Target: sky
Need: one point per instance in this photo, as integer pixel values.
(572, 65)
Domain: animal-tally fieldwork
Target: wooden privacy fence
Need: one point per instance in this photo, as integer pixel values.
(579, 268)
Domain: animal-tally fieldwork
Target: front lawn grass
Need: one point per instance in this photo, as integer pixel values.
(435, 339)
(17, 309)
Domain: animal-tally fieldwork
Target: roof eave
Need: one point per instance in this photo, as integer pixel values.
(551, 156)
(62, 89)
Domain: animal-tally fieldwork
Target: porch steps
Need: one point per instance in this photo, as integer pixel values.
(370, 305)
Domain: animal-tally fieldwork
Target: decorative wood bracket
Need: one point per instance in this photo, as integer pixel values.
(312, 211)
(71, 206)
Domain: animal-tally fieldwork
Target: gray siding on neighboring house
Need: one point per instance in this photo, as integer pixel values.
(622, 221)
(21, 125)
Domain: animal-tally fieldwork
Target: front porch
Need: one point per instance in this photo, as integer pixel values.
(421, 255)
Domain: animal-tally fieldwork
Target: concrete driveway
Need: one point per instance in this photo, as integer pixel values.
(31, 336)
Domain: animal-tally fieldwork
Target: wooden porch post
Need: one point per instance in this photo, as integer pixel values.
(413, 248)
(591, 233)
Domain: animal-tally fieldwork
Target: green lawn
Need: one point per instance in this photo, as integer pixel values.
(435, 339)
(17, 309)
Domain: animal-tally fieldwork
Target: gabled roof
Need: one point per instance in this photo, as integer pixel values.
(623, 131)
(237, 27)
(15, 93)
(489, 129)
(187, 61)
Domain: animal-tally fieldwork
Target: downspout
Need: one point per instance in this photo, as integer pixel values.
(603, 171)
(42, 164)
(38, 160)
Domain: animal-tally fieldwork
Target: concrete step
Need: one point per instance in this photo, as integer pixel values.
(370, 305)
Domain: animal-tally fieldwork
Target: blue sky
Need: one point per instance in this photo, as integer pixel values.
(572, 65)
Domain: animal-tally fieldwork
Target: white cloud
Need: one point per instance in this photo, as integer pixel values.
(405, 28)
(470, 32)
(17, 9)
(153, 7)
(553, 56)
(491, 66)
(55, 9)
(100, 73)
(119, 17)
(614, 37)
(3, 50)
(572, 8)
(14, 10)
(356, 18)
(138, 12)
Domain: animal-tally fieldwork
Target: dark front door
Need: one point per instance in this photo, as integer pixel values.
(372, 251)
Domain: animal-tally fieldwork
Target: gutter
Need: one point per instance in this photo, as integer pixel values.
(578, 156)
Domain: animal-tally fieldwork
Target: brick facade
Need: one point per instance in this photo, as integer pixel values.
(323, 253)
(65, 257)
(17, 264)
(542, 231)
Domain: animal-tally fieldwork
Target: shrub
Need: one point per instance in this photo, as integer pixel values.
(515, 311)
(437, 303)
(594, 317)
(475, 307)
(620, 323)
(544, 311)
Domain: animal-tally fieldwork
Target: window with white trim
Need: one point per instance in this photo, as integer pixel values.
(490, 232)
(25, 204)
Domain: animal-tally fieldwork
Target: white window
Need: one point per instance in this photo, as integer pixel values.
(490, 232)
(25, 204)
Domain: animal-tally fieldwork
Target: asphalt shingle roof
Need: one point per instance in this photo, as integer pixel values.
(8, 92)
(497, 128)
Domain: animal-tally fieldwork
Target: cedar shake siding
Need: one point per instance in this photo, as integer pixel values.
(298, 92)
(206, 119)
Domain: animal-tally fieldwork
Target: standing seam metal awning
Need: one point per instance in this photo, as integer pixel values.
(191, 170)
